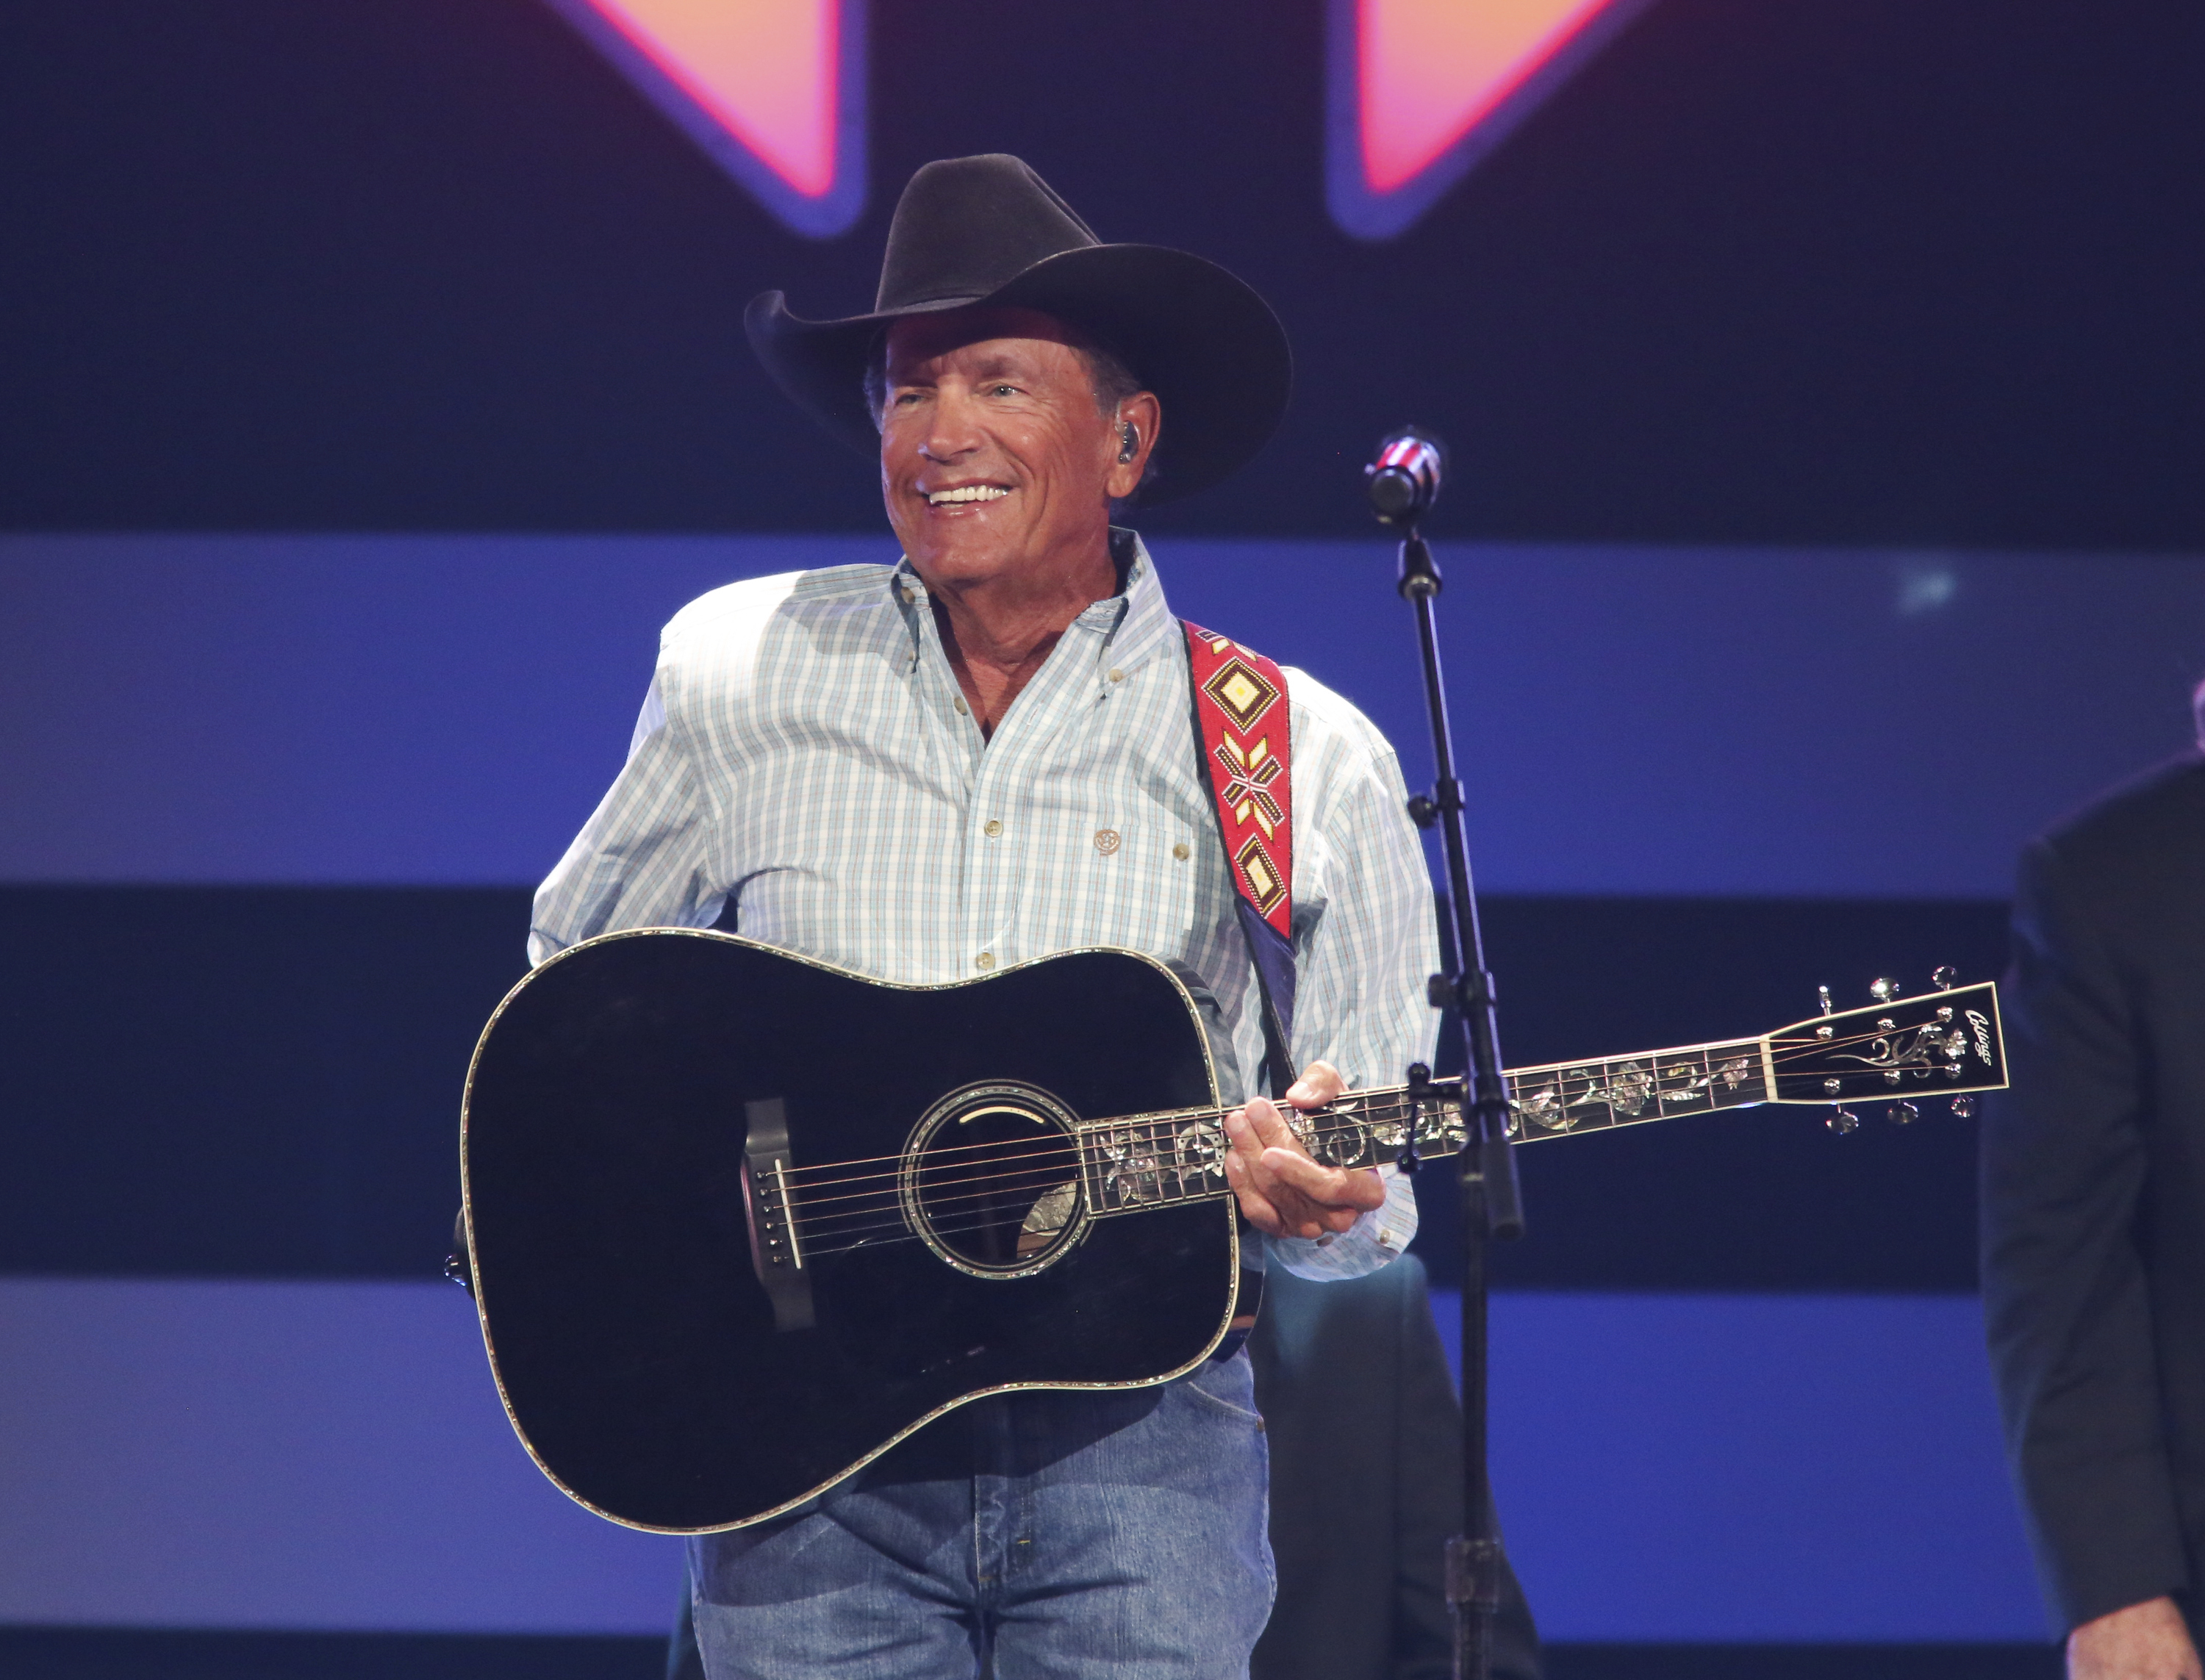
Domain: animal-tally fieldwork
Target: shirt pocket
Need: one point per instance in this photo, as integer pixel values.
(1140, 870)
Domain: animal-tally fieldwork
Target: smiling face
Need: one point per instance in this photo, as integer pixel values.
(996, 463)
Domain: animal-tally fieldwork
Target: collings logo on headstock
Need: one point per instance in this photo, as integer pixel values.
(1896, 1042)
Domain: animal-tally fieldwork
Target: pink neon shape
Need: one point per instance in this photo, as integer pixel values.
(1430, 71)
(764, 69)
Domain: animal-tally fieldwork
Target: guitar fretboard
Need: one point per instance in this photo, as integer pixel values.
(1562, 1098)
(1157, 1161)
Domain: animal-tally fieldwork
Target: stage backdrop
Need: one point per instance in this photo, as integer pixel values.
(1825, 382)
(1829, 272)
(277, 803)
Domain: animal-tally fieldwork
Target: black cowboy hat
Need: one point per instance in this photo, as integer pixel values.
(989, 230)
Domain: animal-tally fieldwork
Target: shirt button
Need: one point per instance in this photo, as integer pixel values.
(1180, 851)
(1117, 676)
(963, 711)
(984, 961)
(993, 829)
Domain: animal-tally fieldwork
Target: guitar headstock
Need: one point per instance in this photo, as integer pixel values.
(1942, 1043)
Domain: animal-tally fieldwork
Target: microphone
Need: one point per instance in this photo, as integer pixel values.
(1404, 481)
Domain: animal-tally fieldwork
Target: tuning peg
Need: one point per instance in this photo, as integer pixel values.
(1823, 994)
(1943, 977)
(1902, 1113)
(1883, 990)
(1964, 1107)
(1843, 1121)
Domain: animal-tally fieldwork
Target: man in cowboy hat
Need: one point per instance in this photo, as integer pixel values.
(980, 755)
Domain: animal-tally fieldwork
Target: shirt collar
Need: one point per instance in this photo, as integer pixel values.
(1133, 624)
(1136, 623)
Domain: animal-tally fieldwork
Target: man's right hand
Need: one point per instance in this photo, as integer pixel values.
(2145, 1641)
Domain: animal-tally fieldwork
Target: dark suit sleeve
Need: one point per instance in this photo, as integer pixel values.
(2064, 1292)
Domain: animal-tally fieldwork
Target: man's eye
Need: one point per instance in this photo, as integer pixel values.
(1005, 390)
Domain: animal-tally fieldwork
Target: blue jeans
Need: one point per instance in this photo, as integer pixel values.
(1069, 1536)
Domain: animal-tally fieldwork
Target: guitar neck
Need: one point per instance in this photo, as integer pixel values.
(1561, 1098)
(1155, 1161)
(1947, 1043)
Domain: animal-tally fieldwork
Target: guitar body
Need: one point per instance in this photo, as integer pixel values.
(604, 1149)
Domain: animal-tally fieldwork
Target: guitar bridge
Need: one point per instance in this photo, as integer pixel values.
(770, 1211)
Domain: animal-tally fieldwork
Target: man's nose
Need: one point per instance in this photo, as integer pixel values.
(953, 428)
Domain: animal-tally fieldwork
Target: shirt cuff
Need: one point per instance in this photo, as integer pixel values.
(1374, 1238)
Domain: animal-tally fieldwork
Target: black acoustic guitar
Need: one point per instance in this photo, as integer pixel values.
(741, 1221)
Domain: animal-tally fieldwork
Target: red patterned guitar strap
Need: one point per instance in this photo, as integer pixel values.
(1241, 731)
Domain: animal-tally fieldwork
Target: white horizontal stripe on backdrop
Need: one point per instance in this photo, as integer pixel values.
(448, 709)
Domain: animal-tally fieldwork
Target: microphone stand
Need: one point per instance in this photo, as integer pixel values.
(1492, 1206)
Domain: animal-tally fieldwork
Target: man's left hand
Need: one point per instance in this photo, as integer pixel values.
(1282, 1191)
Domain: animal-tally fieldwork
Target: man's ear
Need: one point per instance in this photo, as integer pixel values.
(1133, 432)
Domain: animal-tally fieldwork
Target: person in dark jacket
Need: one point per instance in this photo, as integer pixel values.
(2094, 1222)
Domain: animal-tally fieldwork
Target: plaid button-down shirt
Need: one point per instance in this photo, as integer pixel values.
(805, 753)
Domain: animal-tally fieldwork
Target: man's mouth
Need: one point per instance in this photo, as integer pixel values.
(965, 493)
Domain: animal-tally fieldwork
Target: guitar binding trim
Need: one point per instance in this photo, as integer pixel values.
(710, 936)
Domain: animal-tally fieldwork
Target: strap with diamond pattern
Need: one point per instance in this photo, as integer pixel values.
(1241, 722)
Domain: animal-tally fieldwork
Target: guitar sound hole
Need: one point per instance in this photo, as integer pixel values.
(991, 1181)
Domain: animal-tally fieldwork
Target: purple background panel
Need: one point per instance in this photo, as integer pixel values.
(1701, 1468)
(1786, 1469)
(449, 709)
(276, 1455)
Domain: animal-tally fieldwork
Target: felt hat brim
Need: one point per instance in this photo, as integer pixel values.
(1195, 335)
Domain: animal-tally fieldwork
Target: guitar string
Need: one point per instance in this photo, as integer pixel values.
(1002, 1175)
(1383, 1105)
(1065, 1167)
(801, 1180)
(1382, 1108)
(905, 1234)
(1032, 1181)
(1036, 1179)
(1068, 1169)
(1371, 1114)
(989, 1157)
(1376, 1110)
(1320, 1139)
(1348, 1126)
(797, 1173)
(1391, 1097)
(1318, 1132)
